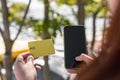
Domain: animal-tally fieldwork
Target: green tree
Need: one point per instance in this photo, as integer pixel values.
(6, 35)
(87, 8)
(95, 13)
(80, 14)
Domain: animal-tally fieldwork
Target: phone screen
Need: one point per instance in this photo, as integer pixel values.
(74, 44)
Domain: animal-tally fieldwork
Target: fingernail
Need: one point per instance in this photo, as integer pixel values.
(30, 57)
(78, 58)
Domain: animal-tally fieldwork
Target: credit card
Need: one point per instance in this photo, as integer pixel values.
(41, 47)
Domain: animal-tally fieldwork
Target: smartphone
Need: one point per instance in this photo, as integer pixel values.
(74, 45)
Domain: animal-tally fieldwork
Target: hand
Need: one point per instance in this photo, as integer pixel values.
(83, 57)
(24, 68)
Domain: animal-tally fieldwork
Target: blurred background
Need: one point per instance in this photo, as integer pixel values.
(22, 21)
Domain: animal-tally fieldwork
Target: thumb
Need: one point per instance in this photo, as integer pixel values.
(30, 58)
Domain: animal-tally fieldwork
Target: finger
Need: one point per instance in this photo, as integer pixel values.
(25, 55)
(91, 53)
(84, 57)
(30, 58)
(37, 67)
(78, 58)
(71, 70)
(19, 59)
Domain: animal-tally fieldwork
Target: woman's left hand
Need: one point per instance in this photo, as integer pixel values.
(83, 57)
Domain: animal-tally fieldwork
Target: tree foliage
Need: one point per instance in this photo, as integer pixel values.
(55, 23)
(16, 12)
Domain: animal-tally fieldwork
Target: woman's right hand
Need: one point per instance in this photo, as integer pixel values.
(24, 68)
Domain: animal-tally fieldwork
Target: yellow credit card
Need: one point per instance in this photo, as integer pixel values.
(41, 47)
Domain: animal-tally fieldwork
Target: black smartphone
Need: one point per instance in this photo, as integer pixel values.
(74, 44)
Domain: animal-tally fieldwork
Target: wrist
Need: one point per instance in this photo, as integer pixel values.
(25, 78)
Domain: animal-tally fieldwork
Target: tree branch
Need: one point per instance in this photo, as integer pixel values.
(1, 31)
(23, 20)
(94, 24)
(80, 13)
(5, 33)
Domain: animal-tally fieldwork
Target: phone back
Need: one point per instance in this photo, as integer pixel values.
(74, 44)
